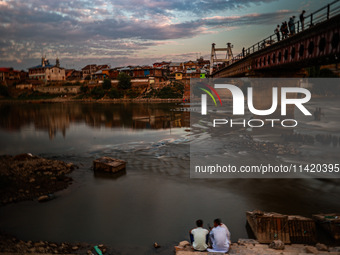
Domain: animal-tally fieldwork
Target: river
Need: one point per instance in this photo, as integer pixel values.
(155, 200)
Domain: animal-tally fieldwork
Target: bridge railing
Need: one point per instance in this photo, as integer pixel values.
(330, 10)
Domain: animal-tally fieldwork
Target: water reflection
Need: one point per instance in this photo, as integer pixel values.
(58, 117)
(155, 194)
(109, 176)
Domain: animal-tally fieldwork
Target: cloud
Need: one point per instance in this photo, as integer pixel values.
(99, 29)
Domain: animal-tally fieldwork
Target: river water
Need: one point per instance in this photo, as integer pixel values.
(155, 200)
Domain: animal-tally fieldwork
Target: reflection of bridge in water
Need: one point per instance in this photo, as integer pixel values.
(317, 44)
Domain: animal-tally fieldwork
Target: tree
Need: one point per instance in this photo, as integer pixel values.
(84, 89)
(115, 93)
(106, 84)
(4, 91)
(124, 81)
(97, 92)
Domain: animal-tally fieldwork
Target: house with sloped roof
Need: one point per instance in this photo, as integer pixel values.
(47, 72)
(175, 67)
(89, 70)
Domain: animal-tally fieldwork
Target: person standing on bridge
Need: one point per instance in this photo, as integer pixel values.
(291, 24)
(283, 31)
(277, 32)
(286, 28)
(302, 19)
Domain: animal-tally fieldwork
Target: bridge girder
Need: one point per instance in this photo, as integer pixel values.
(317, 45)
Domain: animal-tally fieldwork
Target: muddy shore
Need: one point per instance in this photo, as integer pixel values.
(29, 177)
(11, 244)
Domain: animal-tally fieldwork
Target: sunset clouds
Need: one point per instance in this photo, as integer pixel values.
(79, 30)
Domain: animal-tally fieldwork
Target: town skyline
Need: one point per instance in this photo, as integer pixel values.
(114, 33)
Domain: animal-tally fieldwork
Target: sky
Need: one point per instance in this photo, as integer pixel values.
(134, 32)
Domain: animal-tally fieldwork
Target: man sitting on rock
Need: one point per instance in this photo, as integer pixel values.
(219, 237)
(199, 237)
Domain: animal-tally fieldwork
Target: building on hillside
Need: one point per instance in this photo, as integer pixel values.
(147, 71)
(203, 64)
(162, 64)
(113, 73)
(102, 74)
(190, 65)
(73, 75)
(176, 67)
(178, 75)
(9, 76)
(89, 70)
(127, 70)
(138, 72)
(103, 67)
(47, 72)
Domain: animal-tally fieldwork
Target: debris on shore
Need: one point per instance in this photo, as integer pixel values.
(269, 226)
(268, 147)
(110, 165)
(253, 247)
(10, 244)
(27, 177)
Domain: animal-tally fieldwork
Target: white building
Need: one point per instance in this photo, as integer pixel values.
(47, 72)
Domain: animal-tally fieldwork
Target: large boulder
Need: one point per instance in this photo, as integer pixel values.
(277, 245)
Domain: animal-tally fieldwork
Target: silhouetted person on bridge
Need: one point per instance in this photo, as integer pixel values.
(302, 19)
(277, 32)
(283, 30)
(291, 24)
(243, 52)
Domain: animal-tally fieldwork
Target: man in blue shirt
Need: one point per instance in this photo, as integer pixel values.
(219, 237)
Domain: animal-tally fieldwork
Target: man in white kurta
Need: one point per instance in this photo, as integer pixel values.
(219, 237)
(199, 236)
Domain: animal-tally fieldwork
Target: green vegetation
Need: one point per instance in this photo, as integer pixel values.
(124, 81)
(106, 84)
(97, 92)
(35, 95)
(4, 91)
(115, 93)
(78, 83)
(84, 89)
(168, 92)
(132, 93)
(81, 96)
(174, 90)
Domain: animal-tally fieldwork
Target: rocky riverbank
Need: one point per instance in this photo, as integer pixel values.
(10, 244)
(27, 177)
(253, 247)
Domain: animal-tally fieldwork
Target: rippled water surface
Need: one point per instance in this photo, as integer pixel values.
(155, 200)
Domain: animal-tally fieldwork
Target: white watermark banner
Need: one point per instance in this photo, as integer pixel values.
(265, 128)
